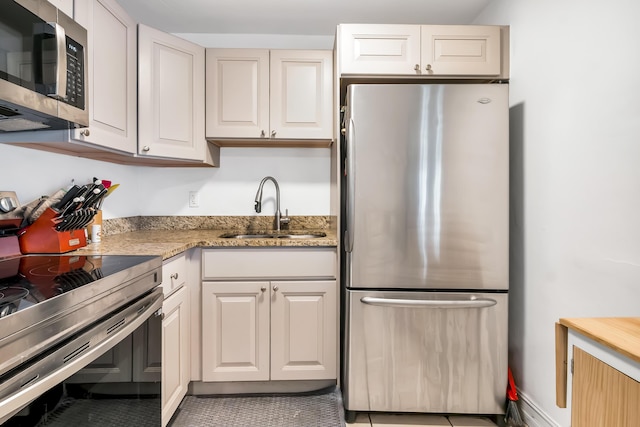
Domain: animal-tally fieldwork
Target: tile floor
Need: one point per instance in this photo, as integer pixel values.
(384, 420)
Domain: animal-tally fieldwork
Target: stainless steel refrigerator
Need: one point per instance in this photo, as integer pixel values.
(424, 263)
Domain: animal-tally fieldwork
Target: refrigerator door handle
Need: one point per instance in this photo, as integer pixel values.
(416, 303)
(351, 186)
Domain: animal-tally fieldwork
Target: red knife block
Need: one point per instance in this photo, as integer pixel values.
(41, 237)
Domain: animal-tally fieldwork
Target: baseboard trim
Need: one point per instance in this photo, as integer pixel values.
(532, 414)
(199, 388)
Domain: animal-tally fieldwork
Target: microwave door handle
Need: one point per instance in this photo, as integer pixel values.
(416, 303)
(61, 62)
(351, 186)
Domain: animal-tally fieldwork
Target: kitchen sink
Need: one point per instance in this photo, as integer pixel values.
(274, 235)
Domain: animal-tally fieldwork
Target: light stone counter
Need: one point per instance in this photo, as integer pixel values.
(170, 236)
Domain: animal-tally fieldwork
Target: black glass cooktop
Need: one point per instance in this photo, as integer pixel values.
(31, 279)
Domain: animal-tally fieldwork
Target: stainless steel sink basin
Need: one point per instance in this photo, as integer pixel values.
(280, 235)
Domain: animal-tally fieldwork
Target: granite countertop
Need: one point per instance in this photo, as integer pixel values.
(621, 334)
(170, 236)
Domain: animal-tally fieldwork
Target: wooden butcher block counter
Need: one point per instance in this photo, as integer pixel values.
(599, 359)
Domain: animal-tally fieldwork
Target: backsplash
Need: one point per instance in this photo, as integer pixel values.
(137, 223)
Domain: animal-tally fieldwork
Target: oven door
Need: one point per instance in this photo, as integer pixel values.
(46, 392)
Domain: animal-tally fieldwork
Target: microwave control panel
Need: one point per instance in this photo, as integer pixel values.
(75, 74)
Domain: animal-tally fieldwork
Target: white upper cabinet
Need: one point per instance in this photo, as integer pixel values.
(237, 93)
(301, 88)
(460, 49)
(170, 96)
(269, 97)
(378, 49)
(421, 50)
(66, 6)
(112, 76)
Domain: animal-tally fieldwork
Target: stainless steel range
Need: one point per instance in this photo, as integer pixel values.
(58, 313)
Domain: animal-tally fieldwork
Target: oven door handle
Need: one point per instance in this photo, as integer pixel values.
(417, 303)
(75, 355)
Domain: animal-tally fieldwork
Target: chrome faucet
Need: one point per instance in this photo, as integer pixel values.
(279, 218)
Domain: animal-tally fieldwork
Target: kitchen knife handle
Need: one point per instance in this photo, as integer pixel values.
(351, 185)
(67, 198)
(417, 303)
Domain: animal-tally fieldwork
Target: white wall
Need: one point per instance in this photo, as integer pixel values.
(302, 174)
(575, 179)
(33, 173)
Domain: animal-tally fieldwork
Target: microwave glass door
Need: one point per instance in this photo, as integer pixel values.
(18, 48)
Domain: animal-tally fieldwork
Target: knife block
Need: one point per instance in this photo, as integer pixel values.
(41, 237)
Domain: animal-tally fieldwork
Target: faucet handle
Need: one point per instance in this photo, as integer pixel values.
(285, 219)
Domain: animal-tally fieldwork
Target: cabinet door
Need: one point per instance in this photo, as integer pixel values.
(460, 50)
(303, 330)
(170, 96)
(235, 331)
(112, 76)
(175, 352)
(379, 49)
(66, 6)
(301, 94)
(601, 395)
(237, 93)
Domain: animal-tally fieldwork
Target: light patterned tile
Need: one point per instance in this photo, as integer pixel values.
(470, 421)
(408, 420)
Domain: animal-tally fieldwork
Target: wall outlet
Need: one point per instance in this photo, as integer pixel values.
(194, 199)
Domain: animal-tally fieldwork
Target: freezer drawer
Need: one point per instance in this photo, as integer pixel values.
(425, 352)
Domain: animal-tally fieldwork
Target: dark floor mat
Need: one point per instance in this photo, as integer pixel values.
(310, 410)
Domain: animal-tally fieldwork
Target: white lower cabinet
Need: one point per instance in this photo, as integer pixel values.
(176, 365)
(271, 330)
(303, 330)
(281, 326)
(175, 352)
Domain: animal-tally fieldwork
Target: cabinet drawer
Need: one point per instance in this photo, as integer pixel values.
(174, 274)
(241, 264)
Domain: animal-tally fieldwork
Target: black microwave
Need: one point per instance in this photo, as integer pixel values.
(43, 68)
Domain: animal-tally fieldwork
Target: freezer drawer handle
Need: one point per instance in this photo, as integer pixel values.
(416, 303)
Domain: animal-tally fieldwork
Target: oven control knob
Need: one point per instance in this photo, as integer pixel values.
(7, 204)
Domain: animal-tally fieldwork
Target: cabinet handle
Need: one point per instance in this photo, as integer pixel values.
(417, 67)
(273, 134)
(85, 132)
(428, 67)
(275, 288)
(262, 134)
(146, 148)
(262, 289)
(174, 276)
